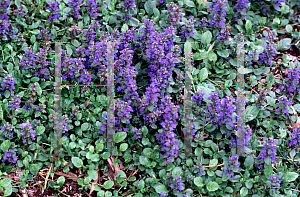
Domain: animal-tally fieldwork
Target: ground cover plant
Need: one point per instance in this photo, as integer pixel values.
(151, 39)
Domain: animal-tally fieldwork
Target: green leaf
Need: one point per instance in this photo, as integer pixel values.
(212, 186)
(250, 113)
(248, 26)
(198, 182)
(206, 37)
(75, 43)
(161, 188)
(124, 27)
(133, 22)
(5, 145)
(60, 181)
(36, 31)
(85, 126)
(108, 184)
(77, 162)
(249, 162)
(141, 184)
(120, 136)
(268, 170)
(203, 74)
(290, 176)
(176, 171)
(244, 192)
(212, 56)
(223, 53)
(190, 3)
(156, 12)
(200, 56)
(35, 79)
(149, 6)
(93, 174)
(123, 147)
(99, 147)
(213, 162)
(144, 160)
(122, 174)
(40, 130)
(289, 28)
(284, 44)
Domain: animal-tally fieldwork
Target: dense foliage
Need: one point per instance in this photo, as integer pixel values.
(151, 39)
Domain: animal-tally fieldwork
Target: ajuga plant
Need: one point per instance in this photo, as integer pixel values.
(291, 84)
(36, 63)
(92, 7)
(269, 150)
(187, 29)
(6, 131)
(218, 10)
(4, 24)
(232, 166)
(10, 156)
(53, 10)
(8, 84)
(127, 6)
(122, 114)
(175, 13)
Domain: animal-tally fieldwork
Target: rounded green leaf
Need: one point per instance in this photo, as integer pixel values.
(120, 136)
(108, 184)
(84, 126)
(290, 176)
(198, 181)
(123, 147)
(161, 188)
(212, 186)
(77, 162)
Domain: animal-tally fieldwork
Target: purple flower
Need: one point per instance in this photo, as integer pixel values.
(269, 149)
(8, 84)
(274, 179)
(54, 10)
(218, 10)
(232, 166)
(10, 155)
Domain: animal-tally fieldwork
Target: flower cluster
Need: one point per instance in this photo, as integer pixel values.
(168, 123)
(7, 130)
(218, 10)
(15, 102)
(92, 6)
(201, 169)
(41, 108)
(220, 110)
(261, 97)
(27, 132)
(269, 48)
(122, 114)
(187, 29)
(232, 166)
(295, 139)
(75, 5)
(4, 25)
(59, 126)
(138, 133)
(284, 103)
(203, 22)
(36, 62)
(278, 2)
(274, 179)
(269, 149)
(126, 75)
(175, 13)
(163, 195)
(54, 10)
(20, 11)
(177, 184)
(45, 36)
(224, 35)
(8, 84)
(127, 5)
(241, 6)
(291, 84)
(75, 31)
(10, 155)
(90, 33)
